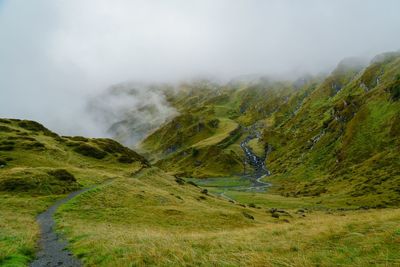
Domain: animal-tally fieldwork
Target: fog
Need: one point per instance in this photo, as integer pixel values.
(56, 56)
(128, 111)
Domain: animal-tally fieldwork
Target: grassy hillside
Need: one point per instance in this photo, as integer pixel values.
(343, 142)
(203, 141)
(37, 167)
(332, 136)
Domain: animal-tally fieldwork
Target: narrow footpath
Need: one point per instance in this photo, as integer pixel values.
(53, 248)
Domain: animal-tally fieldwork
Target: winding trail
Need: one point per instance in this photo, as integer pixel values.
(54, 249)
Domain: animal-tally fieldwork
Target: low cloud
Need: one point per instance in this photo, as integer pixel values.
(56, 55)
(128, 112)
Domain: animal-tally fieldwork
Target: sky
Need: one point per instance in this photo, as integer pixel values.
(57, 54)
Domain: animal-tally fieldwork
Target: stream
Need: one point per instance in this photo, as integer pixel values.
(254, 171)
(256, 162)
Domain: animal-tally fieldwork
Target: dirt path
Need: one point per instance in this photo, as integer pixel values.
(53, 249)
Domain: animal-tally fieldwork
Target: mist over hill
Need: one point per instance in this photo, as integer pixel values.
(57, 55)
(128, 112)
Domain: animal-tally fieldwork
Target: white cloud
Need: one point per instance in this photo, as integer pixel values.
(55, 52)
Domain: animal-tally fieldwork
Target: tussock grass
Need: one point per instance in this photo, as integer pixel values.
(139, 221)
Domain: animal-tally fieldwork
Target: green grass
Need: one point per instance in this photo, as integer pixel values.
(33, 176)
(221, 182)
(257, 147)
(356, 153)
(225, 128)
(152, 220)
(17, 241)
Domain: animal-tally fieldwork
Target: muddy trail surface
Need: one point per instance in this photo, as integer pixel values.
(53, 248)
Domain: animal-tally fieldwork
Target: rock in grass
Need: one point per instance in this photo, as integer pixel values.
(192, 183)
(247, 215)
(204, 191)
(275, 215)
(272, 210)
(179, 180)
(278, 212)
(284, 213)
(3, 163)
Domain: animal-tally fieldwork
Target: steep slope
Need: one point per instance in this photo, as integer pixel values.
(344, 140)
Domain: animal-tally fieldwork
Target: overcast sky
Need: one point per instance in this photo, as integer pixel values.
(53, 53)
